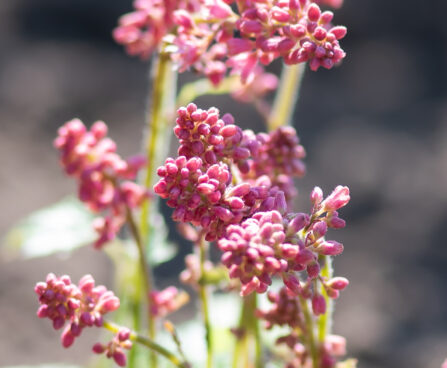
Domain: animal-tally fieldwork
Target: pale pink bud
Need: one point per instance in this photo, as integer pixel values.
(316, 196)
(338, 283)
(330, 248)
(337, 199)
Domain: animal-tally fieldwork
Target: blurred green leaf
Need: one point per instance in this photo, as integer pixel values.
(61, 227)
(159, 248)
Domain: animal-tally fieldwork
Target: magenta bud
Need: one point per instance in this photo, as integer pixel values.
(339, 32)
(98, 348)
(330, 248)
(86, 283)
(314, 12)
(120, 358)
(236, 203)
(239, 190)
(298, 222)
(319, 229)
(338, 283)
(67, 338)
(292, 283)
(228, 131)
(313, 270)
(304, 256)
(318, 304)
(58, 323)
(42, 311)
(124, 333)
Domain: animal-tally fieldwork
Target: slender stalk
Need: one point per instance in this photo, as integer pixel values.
(325, 321)
(146, 273)
(250, 335)
(310, 333)
(203, 293)
(163, 91)
(286, 97)
(150, 344)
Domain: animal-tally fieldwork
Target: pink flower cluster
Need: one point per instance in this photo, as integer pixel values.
(104, 177)
(80, 306)
(279, 157)
(114, 348)
(167, 301)
(270, 244)
(198, 184)
(213, 36)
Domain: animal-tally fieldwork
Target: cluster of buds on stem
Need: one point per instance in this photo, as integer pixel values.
(74, 306)
(115, 348)
(213, 36)
(105, 179)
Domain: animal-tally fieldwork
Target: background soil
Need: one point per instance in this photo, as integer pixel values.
(376, 124)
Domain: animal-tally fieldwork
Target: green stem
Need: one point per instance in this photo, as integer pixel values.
(250, 334)
(325, 321)
(286, 97)
(161, 106)
(190, 91)
(310, 333)
(150, 344)
(203, 293)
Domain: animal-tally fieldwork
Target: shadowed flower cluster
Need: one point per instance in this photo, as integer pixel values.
(104, 177)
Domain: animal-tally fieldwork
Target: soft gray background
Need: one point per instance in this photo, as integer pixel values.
(376, 124)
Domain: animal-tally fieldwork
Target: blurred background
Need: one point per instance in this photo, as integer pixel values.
(378, 124)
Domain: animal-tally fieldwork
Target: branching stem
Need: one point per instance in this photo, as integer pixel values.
(150, 344)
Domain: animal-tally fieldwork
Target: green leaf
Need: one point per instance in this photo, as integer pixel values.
(61, 227)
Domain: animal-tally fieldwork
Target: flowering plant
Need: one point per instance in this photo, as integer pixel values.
(231, 190)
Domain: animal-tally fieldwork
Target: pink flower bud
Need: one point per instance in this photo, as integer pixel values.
(318, 304)
(120, 358)
(98, 348)
(316, 196)
(330, 248)
(338, 283)
(337, 199)
(314, 12)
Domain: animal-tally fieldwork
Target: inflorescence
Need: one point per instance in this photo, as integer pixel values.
(212, 37)
(105, 179)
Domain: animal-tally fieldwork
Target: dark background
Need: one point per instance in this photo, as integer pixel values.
(376, 124)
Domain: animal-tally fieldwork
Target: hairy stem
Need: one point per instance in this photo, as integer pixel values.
(325, 321)
(203, 293)
(150, 344)
(310, 337)
(310, 332)
(286, 97)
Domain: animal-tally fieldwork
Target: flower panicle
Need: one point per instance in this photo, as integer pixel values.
(74, 306)
(105, 180)
(215, 39)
